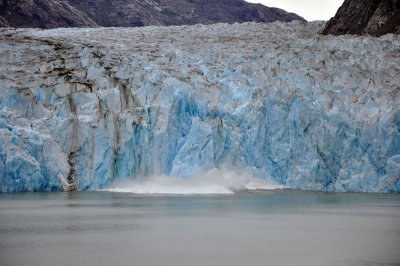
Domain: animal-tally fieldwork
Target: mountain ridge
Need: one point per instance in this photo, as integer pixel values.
(376, 18)
(128, 13)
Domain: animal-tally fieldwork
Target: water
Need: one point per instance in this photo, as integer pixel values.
(279, 227)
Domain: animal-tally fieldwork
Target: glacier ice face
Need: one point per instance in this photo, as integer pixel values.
(88, 108)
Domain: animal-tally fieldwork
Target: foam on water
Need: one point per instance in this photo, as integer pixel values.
(215, 181)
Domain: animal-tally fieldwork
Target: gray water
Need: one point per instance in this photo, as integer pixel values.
(282, 227)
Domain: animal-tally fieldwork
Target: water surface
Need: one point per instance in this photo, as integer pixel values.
(281, 227)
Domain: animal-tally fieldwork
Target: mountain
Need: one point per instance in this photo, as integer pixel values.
(373, 17)
(128, 13)
(89, 108)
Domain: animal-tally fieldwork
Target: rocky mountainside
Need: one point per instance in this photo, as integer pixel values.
(374, 17)
(127, 13)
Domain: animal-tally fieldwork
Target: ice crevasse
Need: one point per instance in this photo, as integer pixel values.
(87, 108)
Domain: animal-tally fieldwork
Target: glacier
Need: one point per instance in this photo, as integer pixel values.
(85, 109)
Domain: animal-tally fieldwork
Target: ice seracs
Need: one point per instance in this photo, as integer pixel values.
(88, 108)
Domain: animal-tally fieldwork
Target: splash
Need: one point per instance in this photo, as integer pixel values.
(215, 181)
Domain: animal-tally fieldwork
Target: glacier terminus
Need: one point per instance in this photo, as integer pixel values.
(89, 108)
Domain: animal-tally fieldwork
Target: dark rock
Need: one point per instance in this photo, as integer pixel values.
(3, 22)
(128, 13)
(373, 17)
(43, 14)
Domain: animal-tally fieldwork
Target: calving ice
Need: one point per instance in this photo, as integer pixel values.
(215, 181)
(92, 108)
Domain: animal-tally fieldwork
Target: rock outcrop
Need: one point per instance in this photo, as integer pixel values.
(42, 14)
(373, 17)
(128, 13)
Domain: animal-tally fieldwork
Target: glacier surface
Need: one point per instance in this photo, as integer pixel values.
(89, 108)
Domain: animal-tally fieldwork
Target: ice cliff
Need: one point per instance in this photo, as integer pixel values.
(86, 108)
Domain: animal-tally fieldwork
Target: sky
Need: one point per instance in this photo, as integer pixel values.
(308, 9)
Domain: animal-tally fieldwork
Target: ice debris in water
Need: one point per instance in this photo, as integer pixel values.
(215, 181)
(89, 108)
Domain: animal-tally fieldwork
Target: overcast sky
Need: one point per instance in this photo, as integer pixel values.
(308, 9)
